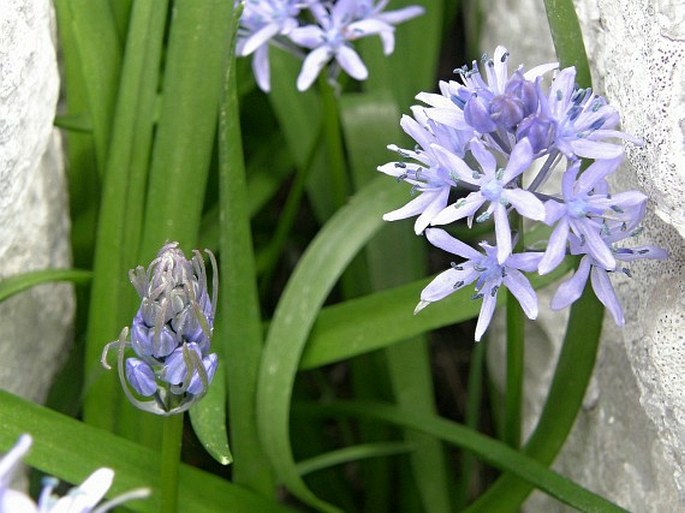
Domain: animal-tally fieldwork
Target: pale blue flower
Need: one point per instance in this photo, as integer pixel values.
(570, 290)
(584, 210)
(82, 499)
(494, 186)
(581, 122)
(432, 181)
(488, 273)
(170, 334)
(262, 22)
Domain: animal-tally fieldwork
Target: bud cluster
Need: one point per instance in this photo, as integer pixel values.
(170, 334)
(485, 148)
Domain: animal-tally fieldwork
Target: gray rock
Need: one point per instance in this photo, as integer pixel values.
(629, 440)
(34, 222)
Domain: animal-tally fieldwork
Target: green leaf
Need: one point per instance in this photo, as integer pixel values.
(196, 59)
(571, 376)
(350, 454)
(15, 284)
(99, 50)
(120, 217)
(239, 331)
(74, 123)
(372, 322)
(370, 123)
(568, 38)
(71, 450)
(317, 271)
(490, 450)
(208, 418)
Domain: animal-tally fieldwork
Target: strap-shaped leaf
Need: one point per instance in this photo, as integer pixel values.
(318, 270)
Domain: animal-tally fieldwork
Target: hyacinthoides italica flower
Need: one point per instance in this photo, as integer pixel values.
(336, 25)
(475, 143)
(82, 499)
(170, 334)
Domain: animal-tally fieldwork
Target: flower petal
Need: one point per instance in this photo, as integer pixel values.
(312, 66)
(604, 291)
(502, 233)
(526, 203)
(520, 287)
(485, 316)
(351, 62)
(520, 159)
(259, 38)
(443, 240)
(556, 248)
(571, 289)
(462, 208)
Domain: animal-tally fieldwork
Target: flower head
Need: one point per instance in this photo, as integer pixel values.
(487, 272)
(170, 333)
(326, 33)
(82, 499)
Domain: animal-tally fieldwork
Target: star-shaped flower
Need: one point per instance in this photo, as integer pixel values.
(487, 272)
(493, 186)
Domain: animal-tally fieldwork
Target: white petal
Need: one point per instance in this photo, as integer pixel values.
(259, 38)
(351, 62)
(312, 66)
(443, 240)
(12, 501)
(485, 316)
(467, 207)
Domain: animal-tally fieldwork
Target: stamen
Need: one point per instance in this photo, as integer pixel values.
(627, 272)
(483, 217)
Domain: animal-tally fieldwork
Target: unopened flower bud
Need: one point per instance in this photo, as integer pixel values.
(170, 333)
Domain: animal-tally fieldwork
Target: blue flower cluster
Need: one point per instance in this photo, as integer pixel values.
(336, 24)
(486, 146)
(170, 334)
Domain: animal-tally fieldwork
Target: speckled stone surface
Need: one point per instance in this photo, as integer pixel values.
(34, 223)
(628, 443)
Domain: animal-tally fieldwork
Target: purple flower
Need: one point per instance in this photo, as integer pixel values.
(584, 211)
(432, 181)
(570, 290)
(83, 499)
(170, 333)
(487, 272)
(581, 120)
(495, 186)
(260, 23)
(493, 107)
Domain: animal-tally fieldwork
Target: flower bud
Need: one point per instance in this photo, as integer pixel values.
(170, 333)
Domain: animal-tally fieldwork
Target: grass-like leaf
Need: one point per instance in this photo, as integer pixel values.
(317, 272)
(372, 322)
(71, 450)
(492, 451)
(15, 284)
